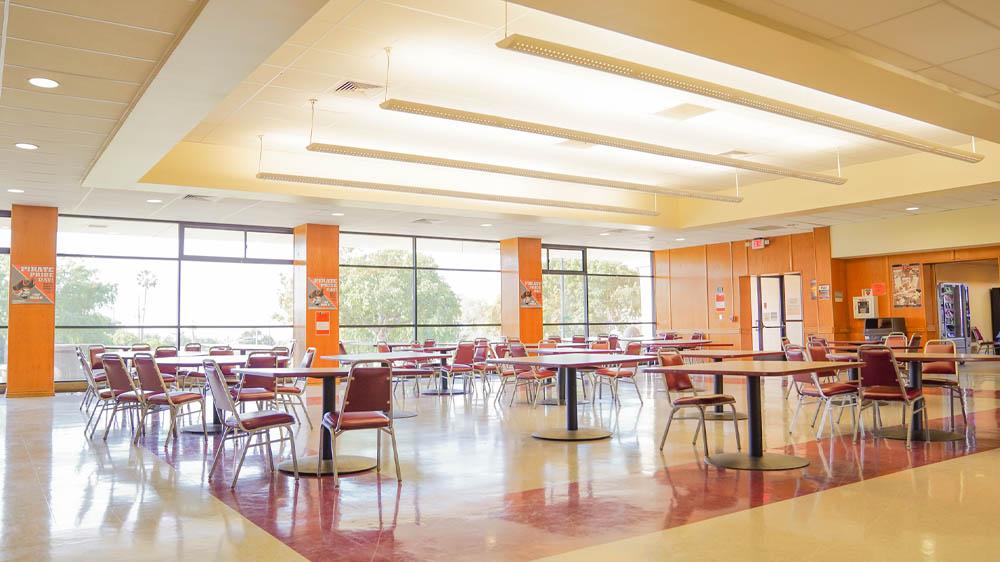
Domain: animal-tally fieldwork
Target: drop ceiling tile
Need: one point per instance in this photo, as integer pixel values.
(305, 81)
(285, 55)
(348, 40)
(311, 32)
(61, 104)
(937, 34)
(70, 85)
(263, 74)
(790, 17)
(983, 68)
(163, 15)
(855, 14)
(46, 57)
(880, 52)
(985, 9)
(939, 74)
(16, 115)
(366, 69)
(398, 23)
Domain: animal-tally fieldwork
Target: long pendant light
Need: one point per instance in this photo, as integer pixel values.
(512, 171)
(653, 75)
(594, 138)
(417, 190)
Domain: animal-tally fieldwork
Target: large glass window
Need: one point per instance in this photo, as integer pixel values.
(400, 289)
(597, 291)
(121, 282)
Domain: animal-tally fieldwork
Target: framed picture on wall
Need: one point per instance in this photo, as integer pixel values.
(865, 307)
(906, 286)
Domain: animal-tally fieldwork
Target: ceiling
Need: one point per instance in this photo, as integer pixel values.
(105, 54)
(102, 54)
(955, 42)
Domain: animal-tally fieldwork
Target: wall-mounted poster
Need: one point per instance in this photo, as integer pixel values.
(865, 307)
(32, 284)
(823, 292)
(906, 286)
(531, 294)
(720, 299)
(322, 293)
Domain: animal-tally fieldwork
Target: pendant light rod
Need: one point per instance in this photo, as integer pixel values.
(653, 75)
(605, 140)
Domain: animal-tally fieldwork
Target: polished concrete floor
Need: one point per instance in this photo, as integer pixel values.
(477, 486)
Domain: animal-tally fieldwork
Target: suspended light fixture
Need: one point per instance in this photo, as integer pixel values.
(417, 190)
(512, 171)
(594, 138)
(653, 75)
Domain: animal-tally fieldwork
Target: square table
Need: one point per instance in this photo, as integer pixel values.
(567, 364)
(757, 459)
(323, 462)
(717, 355)
(915, 360)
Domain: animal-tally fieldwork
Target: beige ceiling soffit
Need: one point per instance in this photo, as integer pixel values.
(511, 171)
(653, 75)
(416, 190)
(593, 138)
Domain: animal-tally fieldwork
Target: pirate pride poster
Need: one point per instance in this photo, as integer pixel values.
(32, 284)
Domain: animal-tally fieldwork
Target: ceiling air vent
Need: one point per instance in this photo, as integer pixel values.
(352, 88)
(200, 198)
(734, 154)
(766, 227)
(684, 111)
(427, 221)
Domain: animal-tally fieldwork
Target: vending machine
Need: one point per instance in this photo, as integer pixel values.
(953, 314)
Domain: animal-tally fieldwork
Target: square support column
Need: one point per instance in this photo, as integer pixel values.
(521, 269)
(317, 268)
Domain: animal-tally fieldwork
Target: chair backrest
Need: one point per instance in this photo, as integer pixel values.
(785, 342)
(501, 350)
(429, 343)
(382, 347)
(698, 335)
(896, 341)
(218, 387)
(880, 368)
(481, 353)
(194, 346)
(670, 335)
(676, 382)
(915, 341)
(554, 338)
(341, 350)
(464, 353)
(546, 344)
(88, 373)
(579, 339)
(940, 367)
(262, 360)
(976, 334)
(149, 375)
(819, 339)
(95, 361)
(141, 347)
(118, 378)
(600, 345)
(165, 351)
(818, 351)
(517, 349)
(799, 353)
(633, 348)
(613, 342)
(281, 350)
(221, 350)
(308, 357)
(369, 389)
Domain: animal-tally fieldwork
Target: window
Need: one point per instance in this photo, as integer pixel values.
(128, 281)
(4, 284)
(401, 288)
(596, 291)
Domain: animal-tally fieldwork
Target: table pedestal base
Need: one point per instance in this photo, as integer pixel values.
(346, 464)
(555, 402)
(935, 435)
(769, 461)
(580, 434)
(211, 428)
(402, 414)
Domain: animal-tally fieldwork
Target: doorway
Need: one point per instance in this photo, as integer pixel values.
(776, 310)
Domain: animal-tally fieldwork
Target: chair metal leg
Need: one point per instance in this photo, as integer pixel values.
(378, 451)
(736, 427)
(795, 416)
(218, 452)
(704, 430)
(701, 426)
(110, 421)
(666, 430)
(333, 448)
(239, 465)
(395, 453)
(908, 436)
(822, 421)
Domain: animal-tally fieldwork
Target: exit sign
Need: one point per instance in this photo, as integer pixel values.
(759, 243)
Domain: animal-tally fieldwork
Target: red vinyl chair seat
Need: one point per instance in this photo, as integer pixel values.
(176, 397)
(890, 393)
(457, 368)
(261, 419)
(132, 395)
(532, 375)
(612, 372)
(101, 378)
(829, 389)
(935, 381)
(412, 372)
(288, 390)
(357, 420)
(253, 394)
(704, 400)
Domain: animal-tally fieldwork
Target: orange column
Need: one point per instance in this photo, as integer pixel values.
(521, 272)
(661, 289)
(31, 340)
(317, 289)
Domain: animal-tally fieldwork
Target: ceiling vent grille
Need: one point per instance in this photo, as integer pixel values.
(427, 221)
(766, 227)
(200, 198)
(352, 88)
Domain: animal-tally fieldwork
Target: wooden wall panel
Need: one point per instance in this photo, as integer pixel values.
(719, 272)
(804, 262)
(825, 314)
(775, 258)
(31, 327)
(317, 255)
(520, 258)
(688, 289)
(661, 288)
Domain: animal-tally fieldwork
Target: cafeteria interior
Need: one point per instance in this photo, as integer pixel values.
(486, 280)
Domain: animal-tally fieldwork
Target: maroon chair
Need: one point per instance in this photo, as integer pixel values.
(141, 347)
(157, 394)
(341, 350)
(682, 383)
(481, 368)
(367, 405)
(896, 341)
(96, 365)
(579, 339)
(810, 388)
(882, 383)
(168, 372)
(97, 393)
(291, 393)
(698, 335)
(818, 352)
(127, 399)
(194, 346)
(257, 388)
(940, 376)
(509, 372)
(623, 371)
(675, 382)
(461, 362)
(613, 342)
(283, 354)
(240, 426)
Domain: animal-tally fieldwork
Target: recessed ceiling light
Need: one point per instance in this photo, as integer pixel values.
(679, 239)
(605, 234)
(336, 214)
(15, 191)
(486, 224)
(154, 200)
(26, 146)
(43, 83)
(913, 208)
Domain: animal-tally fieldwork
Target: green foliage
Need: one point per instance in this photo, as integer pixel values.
(79, 300)
(611, 299)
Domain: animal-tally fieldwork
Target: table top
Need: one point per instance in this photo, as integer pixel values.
(196, 360)
(311, 372)
(728, 353)
(572, 360)
(568, 350)
(852, 342)
(411, 355)
(851, 346)
(675, 343)
(910, 356)
(756, 368)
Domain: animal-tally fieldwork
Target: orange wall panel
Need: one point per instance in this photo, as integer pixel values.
(520, 259)
(775, 258)
(688, 289)
(719, 270)
(317, 255)
(661, 288)
(31, 332)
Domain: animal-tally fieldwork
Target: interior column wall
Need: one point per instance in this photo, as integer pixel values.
(317, 255)
(520, 260)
